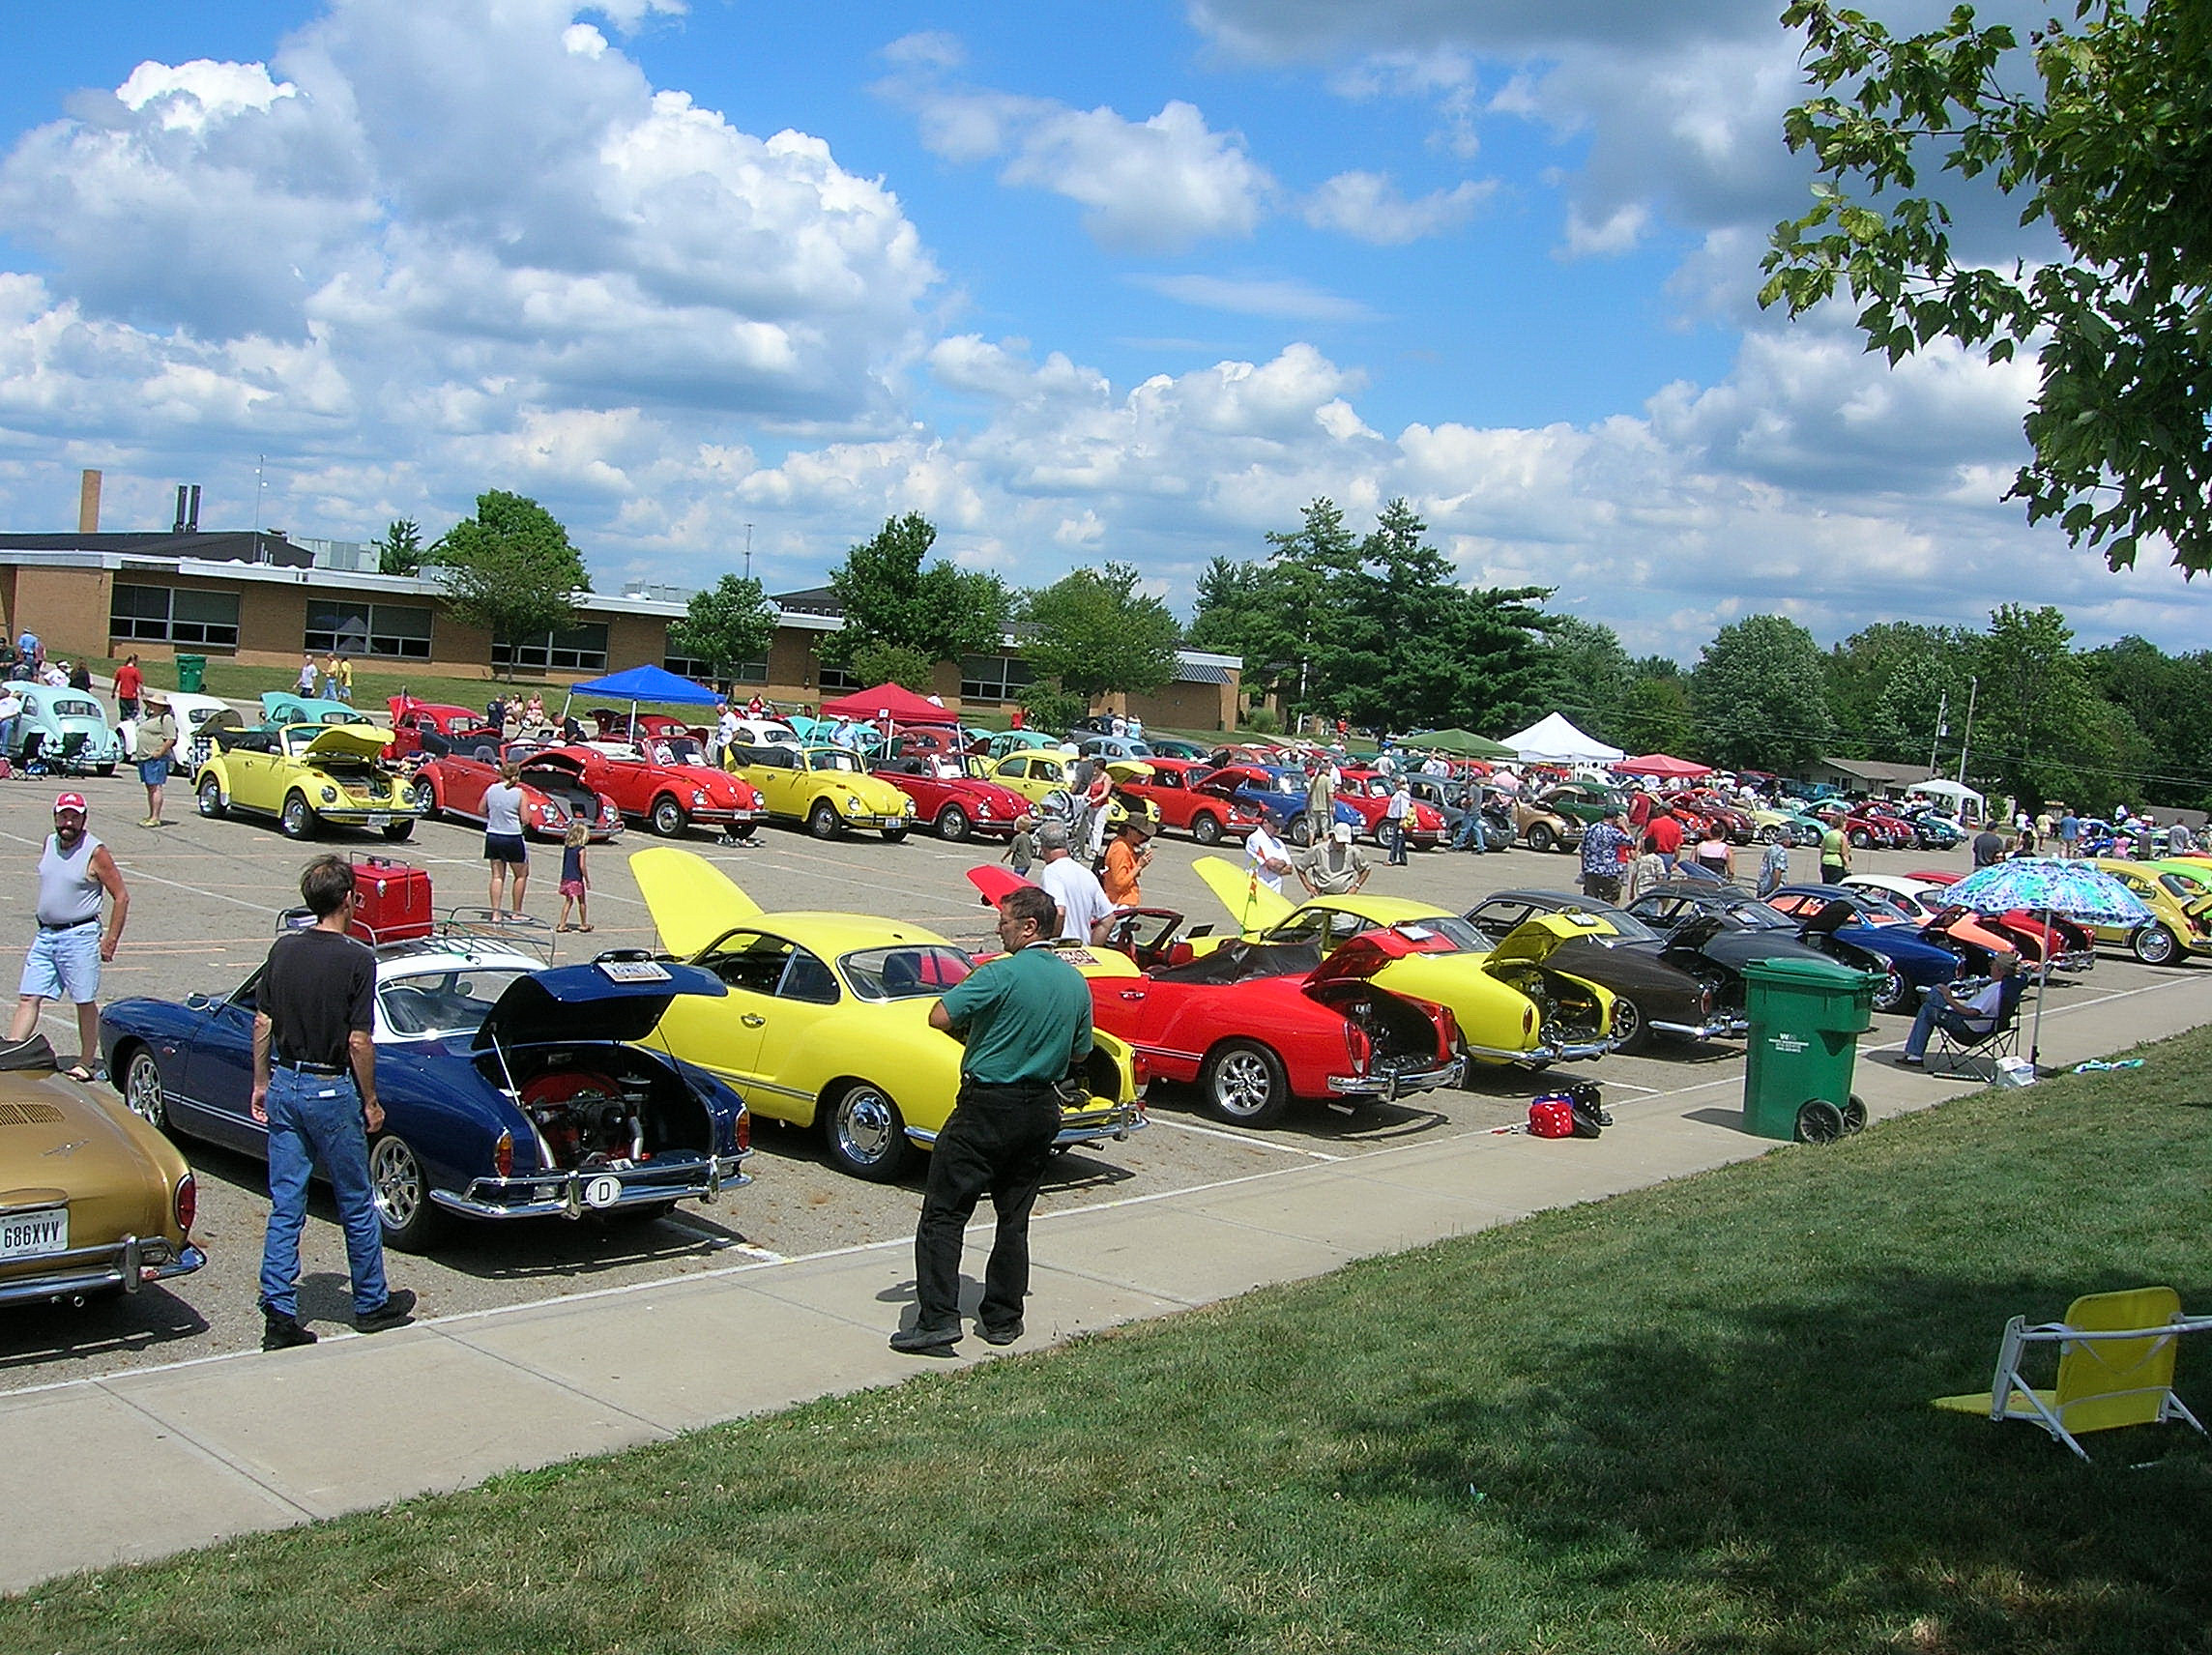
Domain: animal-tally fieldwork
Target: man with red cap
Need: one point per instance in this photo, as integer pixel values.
(67, 953)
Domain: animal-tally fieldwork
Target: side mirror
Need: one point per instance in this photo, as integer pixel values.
(196, 1002)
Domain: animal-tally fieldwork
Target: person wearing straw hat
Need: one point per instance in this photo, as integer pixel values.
(154, 747)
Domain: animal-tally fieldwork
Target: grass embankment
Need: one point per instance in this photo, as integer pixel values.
(1691, 1418)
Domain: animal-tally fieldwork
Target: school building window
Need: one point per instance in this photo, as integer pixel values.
(572, 649)
(838, 678)
(703, 672)
(993, 677)
(174, 615)
(399, 632)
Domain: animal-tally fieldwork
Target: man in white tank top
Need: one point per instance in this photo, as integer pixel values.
(70, 945)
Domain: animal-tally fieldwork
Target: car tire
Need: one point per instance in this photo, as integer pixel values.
(1773, 834)
(1631, 1033)
(296, 819)
(2155, 946)
(1860, 839)
(822, 821)
(211, 799)
(1299, 833)
(1541, 836)
(142, 1088)
(864, 1132)
(1244, 1084)
(1895, 993)
(426, 795)
(669, 818)
(401, 1191)
(399, 832)
(1206, 828)
(951, 824)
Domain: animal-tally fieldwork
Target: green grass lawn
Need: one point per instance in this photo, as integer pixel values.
(1689, 1419)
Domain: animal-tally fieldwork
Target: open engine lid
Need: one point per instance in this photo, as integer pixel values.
(611, 1000)
(1536, 937)
(347, 741)
(1360, 957)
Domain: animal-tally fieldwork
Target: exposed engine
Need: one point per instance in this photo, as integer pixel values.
(586, 1121)
(1567, 1010)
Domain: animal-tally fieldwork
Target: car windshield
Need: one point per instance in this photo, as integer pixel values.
(914, 971)
(681, 751)
(423, 1005)
(833, 759)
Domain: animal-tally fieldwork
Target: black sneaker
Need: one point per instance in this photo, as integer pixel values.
(397, 1310)
(280, 1332)
(1006, 1333)
(918, 1339)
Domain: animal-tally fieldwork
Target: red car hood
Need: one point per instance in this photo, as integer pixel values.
(1362, 956)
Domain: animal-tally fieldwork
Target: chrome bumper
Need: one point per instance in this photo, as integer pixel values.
(559, 1194)
(130, 1265)
(1712, 1029)
(1398, 1083)
(1551, 1052)
(1090, 1129)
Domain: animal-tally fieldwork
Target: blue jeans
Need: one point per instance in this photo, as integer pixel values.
(1935, 1014)
(1395, 827)
(311, 1118)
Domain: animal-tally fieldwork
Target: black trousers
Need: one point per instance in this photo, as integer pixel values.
(997, 1142)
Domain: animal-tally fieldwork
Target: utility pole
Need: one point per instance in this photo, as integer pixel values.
(1942, 707)
(259, 463)
(748, 551)
(1973, 689)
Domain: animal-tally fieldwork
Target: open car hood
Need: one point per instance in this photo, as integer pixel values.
(570, 764)
(1251, 905)
(1130, 769)
(1360, 957)
(1536, 937)
(615, 1000)
(347, 741)
(691, 901)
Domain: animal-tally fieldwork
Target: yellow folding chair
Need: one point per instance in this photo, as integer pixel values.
(2116, 1366)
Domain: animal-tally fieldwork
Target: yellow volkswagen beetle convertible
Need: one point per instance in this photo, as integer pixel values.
(826, 1020)
(1512, 1007)
(829, 788)
(305, 776)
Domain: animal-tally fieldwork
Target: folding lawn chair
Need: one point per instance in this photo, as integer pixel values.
(2116, 1366)
(2002, 1041)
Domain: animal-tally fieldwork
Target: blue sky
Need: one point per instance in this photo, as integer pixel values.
(1078, 282)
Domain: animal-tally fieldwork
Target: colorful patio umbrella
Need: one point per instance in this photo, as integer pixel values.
(2049, 886)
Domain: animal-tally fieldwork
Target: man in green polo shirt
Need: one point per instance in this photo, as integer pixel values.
(1025, 1020)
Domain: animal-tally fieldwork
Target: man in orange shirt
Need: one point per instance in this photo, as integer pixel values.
(1125, 859)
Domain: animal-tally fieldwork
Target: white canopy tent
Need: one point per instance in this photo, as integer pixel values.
(1552, 740)
(1970, 805)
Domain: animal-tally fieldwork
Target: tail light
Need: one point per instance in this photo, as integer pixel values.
(502, 1155)
(1528, 1020)
(1357, 1046)
(1140, 1071)
(744, 1130)
(188, 1203)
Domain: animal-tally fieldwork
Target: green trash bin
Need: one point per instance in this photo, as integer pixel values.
(1806, 1018)
(191, 673)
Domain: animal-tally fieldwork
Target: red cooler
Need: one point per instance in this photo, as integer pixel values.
(394, 900)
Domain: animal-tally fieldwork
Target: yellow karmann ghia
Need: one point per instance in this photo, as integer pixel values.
(305, 776)
(829, 788)
(1511, 1006)
(826, 1020)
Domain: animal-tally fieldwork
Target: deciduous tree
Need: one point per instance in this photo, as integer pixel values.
(1098, 634)
(2101, 132)
(1761, 696)
(889, 598)
(727, 624)
(511, 568)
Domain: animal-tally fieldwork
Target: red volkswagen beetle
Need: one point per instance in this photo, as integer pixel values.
(668, 785)
(955, 806)
(1186, 797)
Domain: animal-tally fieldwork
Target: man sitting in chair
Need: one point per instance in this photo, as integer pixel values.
(1967, 1013)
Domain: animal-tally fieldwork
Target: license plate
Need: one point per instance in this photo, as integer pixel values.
(380, 820)
(34, 1234)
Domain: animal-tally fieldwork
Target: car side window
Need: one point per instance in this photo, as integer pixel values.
(805, 978)
(753, 963)
(1499, 918)
(1166, 778)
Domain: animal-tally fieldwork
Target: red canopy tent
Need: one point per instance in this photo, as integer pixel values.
(903, 706)
(1664, 767)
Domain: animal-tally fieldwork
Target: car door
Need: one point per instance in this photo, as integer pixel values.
(214, 1083)
(461, 784)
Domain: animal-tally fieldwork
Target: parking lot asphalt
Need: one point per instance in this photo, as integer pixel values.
(205, 896)
(1185, 1212)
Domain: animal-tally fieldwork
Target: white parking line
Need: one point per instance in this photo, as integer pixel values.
(1243, 1137)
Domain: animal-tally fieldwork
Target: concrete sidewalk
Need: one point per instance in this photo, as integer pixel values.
(157, 1460)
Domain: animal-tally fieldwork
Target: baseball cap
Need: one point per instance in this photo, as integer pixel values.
(1341, 832)
(69, 802)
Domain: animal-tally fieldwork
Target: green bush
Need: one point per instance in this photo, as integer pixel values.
(1262, 721)
(1044, 708)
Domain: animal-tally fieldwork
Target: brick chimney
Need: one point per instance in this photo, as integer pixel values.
(88, 504)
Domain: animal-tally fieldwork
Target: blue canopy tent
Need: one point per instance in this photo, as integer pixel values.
(644, 684)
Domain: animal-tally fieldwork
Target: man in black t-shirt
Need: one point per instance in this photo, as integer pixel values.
(314, 1088)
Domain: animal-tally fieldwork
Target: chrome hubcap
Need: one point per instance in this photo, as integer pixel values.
(1241, 1083)
(144, 1092)
(865, 1125)
(398, 1182)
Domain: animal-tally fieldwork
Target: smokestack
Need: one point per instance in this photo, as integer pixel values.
(192, 522)
(88, 504)
(179, 527)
